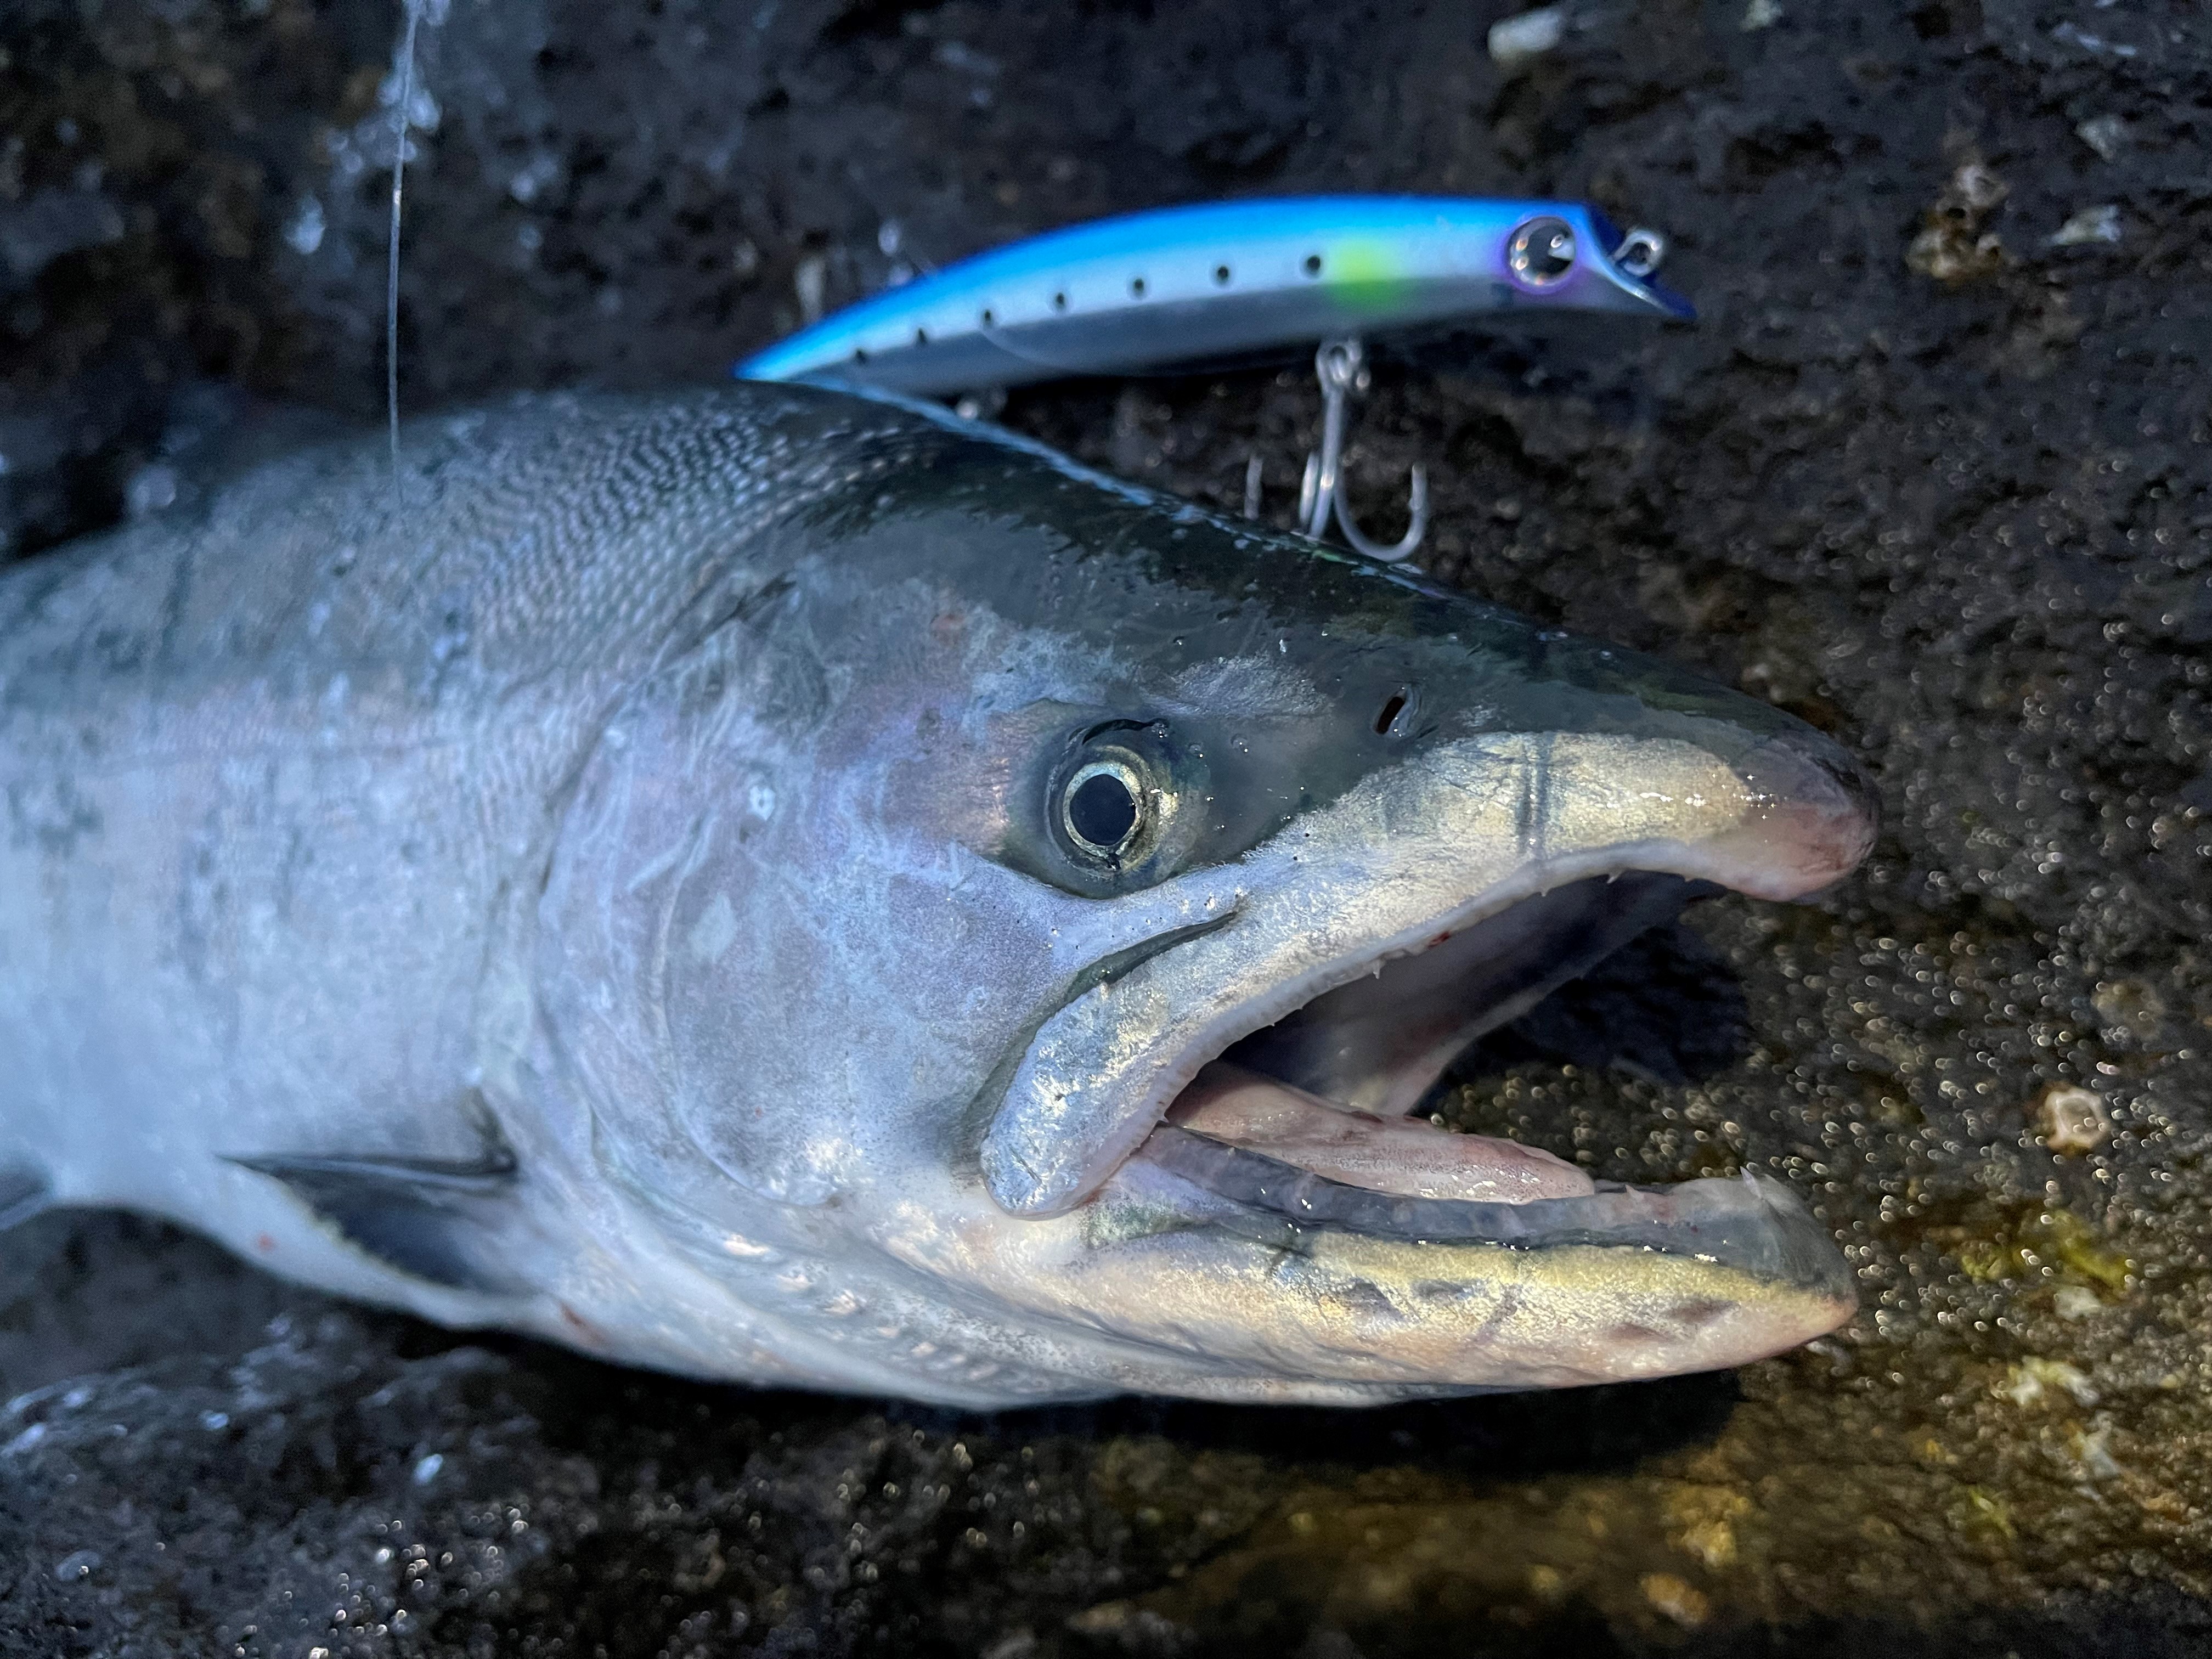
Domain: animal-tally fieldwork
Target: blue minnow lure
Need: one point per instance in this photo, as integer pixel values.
(1222, 280)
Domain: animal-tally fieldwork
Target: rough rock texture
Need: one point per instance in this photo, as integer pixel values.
(1935, 469)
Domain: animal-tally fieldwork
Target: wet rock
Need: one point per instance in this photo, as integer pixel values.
(1961, 517)
(51, 225)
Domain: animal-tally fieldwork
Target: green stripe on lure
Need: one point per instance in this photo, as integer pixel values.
(1178, 285)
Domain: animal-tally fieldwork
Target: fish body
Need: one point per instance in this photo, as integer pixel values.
(774, 886)
(1218, 281)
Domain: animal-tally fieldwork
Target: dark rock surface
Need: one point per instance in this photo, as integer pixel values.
(1934, 470)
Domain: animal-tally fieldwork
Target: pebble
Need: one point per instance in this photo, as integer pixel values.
(1515, 41)
(1677, 1598)
(809, 284)
(1952, 246)
(2105, 134)
(2100, 223)
(2071, 1120)
(2035, 1379)
(2071, 1301)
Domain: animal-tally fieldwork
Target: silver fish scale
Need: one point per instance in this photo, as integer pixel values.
(219, 897)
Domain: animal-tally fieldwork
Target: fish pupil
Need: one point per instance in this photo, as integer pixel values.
(1101, 810)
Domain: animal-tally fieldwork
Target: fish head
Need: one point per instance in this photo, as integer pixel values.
(1007, 945)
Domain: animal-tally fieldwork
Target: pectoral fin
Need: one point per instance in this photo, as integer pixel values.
(450, 1221)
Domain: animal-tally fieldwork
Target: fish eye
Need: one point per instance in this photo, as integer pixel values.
(1102, 807)
(1540, 253)
(1119, 804)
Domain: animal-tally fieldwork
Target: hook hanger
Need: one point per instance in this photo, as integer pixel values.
(1340, 366)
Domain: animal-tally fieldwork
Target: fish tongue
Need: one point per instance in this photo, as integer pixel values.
(1406, 1156)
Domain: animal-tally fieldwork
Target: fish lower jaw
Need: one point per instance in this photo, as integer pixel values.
(1309, 1128)
(1259, 1305)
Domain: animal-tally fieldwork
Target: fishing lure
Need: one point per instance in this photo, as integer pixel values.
(1184, 285)
(1179, 285)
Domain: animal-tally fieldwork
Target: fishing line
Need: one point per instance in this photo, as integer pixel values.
(400, 110)
(1000, 337)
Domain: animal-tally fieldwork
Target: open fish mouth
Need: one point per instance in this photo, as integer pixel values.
(1295, 1103)
(1316, 1122)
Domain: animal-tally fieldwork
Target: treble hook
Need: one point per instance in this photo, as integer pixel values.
(1340, 366)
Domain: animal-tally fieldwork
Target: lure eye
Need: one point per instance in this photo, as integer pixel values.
(1103, 808)
(1540, 253)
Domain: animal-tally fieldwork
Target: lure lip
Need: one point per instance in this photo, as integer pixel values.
(1640, 292)
(1149, 291)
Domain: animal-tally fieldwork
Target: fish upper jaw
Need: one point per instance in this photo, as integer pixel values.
(1416, 853)
(1813, 819)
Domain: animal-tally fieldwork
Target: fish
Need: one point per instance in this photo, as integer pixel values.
(796, 889)
(1144, 291)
